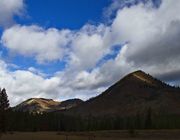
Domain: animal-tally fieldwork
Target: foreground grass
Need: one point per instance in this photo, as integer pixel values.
(100, 135)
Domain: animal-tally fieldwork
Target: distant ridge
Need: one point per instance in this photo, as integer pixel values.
(39, 105)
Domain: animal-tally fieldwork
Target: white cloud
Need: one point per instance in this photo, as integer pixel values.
(153, 36)
(8, 9)
(44, 45)
(89, 45)
(84, 47)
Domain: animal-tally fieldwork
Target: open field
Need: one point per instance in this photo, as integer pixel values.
(100, 135)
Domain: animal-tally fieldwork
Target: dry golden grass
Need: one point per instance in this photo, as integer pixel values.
(101, 135)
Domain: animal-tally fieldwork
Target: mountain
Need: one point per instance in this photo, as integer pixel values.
(39, 105)
(134, 94)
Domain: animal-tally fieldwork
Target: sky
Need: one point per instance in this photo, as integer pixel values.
(77, 49)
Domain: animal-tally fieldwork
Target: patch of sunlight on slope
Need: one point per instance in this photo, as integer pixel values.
(145, 79)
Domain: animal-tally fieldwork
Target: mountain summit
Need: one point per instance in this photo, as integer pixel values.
(142, 77)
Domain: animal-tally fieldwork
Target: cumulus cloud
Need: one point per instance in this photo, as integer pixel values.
(9, 9)
(44, 45)
(84, 47)
(153, 36)
(89, 45)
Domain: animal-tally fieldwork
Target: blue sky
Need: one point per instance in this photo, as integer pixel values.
(64, 49)
(64, 13)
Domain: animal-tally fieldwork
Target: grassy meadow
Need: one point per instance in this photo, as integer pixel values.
(101, 135)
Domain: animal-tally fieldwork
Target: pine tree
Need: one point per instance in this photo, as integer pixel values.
(4, 106)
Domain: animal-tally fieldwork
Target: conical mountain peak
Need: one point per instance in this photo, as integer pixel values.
(140, 75)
